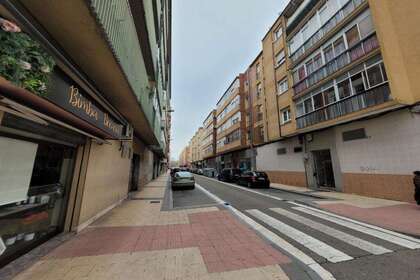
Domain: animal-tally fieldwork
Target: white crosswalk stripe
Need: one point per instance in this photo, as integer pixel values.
(320, 248)
(337, 234)
(377, 232)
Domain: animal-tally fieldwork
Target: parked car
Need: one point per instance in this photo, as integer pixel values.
(174, 170)
(229, 175)
(200, 171)
(183, 179)
(210, 172)
(254, 179)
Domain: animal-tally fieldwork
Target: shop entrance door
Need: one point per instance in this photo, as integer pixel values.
(135, 173)
(324, 171)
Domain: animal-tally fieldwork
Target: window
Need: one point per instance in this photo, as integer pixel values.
(318, 61)
(308, 105)
(352, 36)
(384, 72)
(374, 75)
(282, 86)
(310, 67)
(354, 134)
(299, 110)
(339, 46)
(258, 70)
(323, 14)
(278, 33)
(366, 26)
(329, 54)
(259, 91)
(329, 96)
(285, 116)
(298, 149)
(357, 83)
(344, 89)
(280, 58)
(301, 72)
(318, 101)
(281, 151)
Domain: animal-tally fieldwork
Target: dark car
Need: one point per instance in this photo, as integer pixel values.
(174, 170)
(254, 179)
(229, 175)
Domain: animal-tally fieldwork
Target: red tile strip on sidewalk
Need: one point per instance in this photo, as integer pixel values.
(404, 218)
(225, 243)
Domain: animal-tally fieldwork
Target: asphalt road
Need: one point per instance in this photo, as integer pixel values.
(342, 247)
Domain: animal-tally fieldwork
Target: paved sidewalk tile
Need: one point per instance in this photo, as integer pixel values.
(403, 217)
(137, 240)
(225, 244)
(149, 192)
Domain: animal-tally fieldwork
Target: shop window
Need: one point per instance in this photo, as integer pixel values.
(352, 36)
(344, 89)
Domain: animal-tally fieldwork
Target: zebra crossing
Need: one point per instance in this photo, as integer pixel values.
(305, 232)
(270, 219)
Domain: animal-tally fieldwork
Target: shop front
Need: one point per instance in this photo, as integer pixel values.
(47, 123)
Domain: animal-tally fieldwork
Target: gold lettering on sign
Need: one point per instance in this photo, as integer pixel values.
(110, 124)
(78, 101)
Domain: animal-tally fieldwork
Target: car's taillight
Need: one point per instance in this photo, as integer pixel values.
(253, 179)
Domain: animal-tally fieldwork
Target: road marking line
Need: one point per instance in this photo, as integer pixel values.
(376, 228)
(354, 225)
(322, 249)
(310, 264)
(347, 238)
(245, 189)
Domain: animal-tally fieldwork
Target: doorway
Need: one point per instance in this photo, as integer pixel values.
(324, 172)
(135, 173)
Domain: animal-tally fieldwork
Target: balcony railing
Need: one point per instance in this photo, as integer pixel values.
(369, 98)
(352, 54)
(328, 26)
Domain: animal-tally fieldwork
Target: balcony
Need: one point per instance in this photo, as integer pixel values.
(328, 26)
(369, 98)
(354, 53)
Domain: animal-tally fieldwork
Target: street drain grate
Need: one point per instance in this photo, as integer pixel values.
(155, 201)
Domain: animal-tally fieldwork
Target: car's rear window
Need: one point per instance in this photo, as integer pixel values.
(261, 174)
(184, 174)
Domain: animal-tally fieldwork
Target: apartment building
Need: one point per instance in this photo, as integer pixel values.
(208, 143)
(231, 127)
(84, 112)
(196, 151)
(185, 157)
(353, 87)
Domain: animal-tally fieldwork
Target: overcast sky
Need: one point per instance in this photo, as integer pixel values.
(212, 42)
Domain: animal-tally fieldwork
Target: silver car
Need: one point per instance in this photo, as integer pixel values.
(183, 179)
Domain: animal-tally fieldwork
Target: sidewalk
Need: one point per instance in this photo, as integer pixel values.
(394, 215)
(139, 241)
